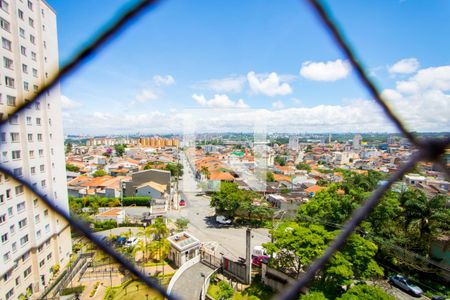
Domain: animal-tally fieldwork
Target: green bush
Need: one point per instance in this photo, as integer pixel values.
(72, 290)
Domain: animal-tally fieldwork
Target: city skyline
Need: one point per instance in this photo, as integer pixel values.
(273, 60)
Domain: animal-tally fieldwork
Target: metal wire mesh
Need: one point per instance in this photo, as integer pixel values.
(428, 150)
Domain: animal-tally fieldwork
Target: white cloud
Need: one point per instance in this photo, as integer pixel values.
(232, 84)
(278, 104)
(219, 101)
(405, 66)
(163, 80)
(68, 104)
(269, 85)
(146, 95)
(325, 71)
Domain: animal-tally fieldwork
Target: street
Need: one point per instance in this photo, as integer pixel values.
(202, 224)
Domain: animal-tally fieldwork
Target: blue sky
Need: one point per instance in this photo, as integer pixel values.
(256, 59)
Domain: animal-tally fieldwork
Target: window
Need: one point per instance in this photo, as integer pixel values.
(22, 32)
(12, 229)
(31, 22)
(30, 5)
(41, 152)
(27, 272)
(15, 137)
(6, 256)
(10, 293)
(13, 119)
(8, 194)
(23, 50)
(9, 82)
(30, 137)
(33, 170)
(42, 262)
(2, 218)
(6, 44)
(10, 100)
(16, 154)
(22, 223)
(46, 212)
(37, 219)
(31, 153)
(24, 240)
(37, 105)
(25, 86)
(19, 190)
(38, 235)
(25, 256)
(33, 39)
(8, 63)
(25, 68)
(4, 5)
(2, 199)
(49, 256)
(33, 55)
(1, 98)
(5, 25)
(50, 122)
(3, 137)
(29, 121)
(10, 211)
(42, 168)
(17, 172)
(35, 72)
(14, 249)
(39, 137)
(20, 14)
(20, 206)
(43, 183)
(35, 88)
(45, 44)
(35, 202)
(4, 237)
(4, 156)
(47, 228)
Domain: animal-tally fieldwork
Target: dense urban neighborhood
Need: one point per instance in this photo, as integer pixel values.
(250, 217)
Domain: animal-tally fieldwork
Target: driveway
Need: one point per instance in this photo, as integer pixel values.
(190, 283)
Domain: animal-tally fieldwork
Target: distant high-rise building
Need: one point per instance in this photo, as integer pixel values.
(293, 143)
(34, 238)
(357, 142)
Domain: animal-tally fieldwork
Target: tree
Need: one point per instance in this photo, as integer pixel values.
(69, 147)
(120, 149)
(99, 173)
(313, 295)
(225, 291)
(175, 169)
(72, 168)
(204, 170)
(181, 223)
(280, 160)
(303, 166)
(365, 292)
(270, 177)
(294, 253)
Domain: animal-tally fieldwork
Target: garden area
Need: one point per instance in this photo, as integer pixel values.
(256, 291)
(131, 290)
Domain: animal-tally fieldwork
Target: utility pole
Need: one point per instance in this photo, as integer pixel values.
(248, 256)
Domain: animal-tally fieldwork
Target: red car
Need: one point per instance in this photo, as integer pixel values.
(182, 202)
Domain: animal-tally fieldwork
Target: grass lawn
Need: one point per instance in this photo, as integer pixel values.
(134, 290)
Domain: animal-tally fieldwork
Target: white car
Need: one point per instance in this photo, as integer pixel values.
(222, 220)
(132, 241)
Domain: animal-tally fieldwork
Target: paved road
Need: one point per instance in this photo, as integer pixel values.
(189, 285)
(231, 240)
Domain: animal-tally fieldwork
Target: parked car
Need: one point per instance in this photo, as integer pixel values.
(132, 241)
(223, 220)
(182, 202)
(403, 283)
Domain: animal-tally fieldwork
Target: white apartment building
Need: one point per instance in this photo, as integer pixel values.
(33, 238)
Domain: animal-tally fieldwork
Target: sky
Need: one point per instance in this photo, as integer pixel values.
(237, 65)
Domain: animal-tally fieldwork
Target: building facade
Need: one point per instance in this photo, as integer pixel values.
(35, 242)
